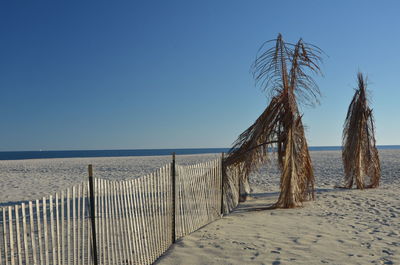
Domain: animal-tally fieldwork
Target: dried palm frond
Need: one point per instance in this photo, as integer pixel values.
(359, 153)
(280, 126)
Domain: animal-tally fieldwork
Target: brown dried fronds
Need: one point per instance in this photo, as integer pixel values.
(359, 152)
(283, 71)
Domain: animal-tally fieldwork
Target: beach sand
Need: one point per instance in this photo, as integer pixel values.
(34, 178)
(340, 227)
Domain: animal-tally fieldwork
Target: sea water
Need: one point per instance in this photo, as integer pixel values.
(17, 155)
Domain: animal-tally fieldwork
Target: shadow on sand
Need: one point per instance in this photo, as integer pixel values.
(13, 203)
(254, 204)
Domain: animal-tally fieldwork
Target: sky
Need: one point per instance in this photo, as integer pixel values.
(176, 74)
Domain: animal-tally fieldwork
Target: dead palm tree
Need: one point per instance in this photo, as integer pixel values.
(283, 71)
(359, 153)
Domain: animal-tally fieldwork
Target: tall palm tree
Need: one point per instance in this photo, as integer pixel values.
(359, 153)
(284, 73)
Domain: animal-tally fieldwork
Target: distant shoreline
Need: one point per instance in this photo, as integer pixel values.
(20, 155)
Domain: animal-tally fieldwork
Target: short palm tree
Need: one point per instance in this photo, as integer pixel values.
(284, 73)
(359, 153)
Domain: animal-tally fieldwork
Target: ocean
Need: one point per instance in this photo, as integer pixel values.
(18, 155)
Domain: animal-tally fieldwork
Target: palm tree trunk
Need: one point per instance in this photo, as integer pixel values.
(289, 177)
(359, 177)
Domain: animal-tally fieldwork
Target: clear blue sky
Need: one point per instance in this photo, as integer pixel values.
(175, 74)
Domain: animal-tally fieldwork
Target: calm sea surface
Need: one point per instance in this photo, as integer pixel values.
(17, 155)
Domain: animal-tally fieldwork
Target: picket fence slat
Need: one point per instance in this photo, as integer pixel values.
(144, 221)
(1, 249)
(24, 234)
(18, 233)
(164, 204)
(127, 218)
(147, 229)
(106, 247)
(52, 235)
(158, 212)
(138, 224)
(151, 216)
(83, 224)
(123, 225)
(78, 223)
(73, 200)
(89, 228)
(68, 231)
(120, 233)
(5, 245)
(58, 229)
(100, 219)
(110, 223)
(133, 223)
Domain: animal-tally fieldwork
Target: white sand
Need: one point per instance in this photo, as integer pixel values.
(340, 227)
(34, 178)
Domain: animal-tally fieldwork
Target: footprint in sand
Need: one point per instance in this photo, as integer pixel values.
(385, 261)
(217, 246)
(277, 250)
(250, 248)
(255, 256)
(388, 252)
(295, 240)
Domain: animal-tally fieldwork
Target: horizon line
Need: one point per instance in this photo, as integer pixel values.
(151, 149)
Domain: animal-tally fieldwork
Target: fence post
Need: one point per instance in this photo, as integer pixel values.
(222, 183)
(92, 214)
(173, 175)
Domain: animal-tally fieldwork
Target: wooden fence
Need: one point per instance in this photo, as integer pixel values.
(136, 220)
(53, 230)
